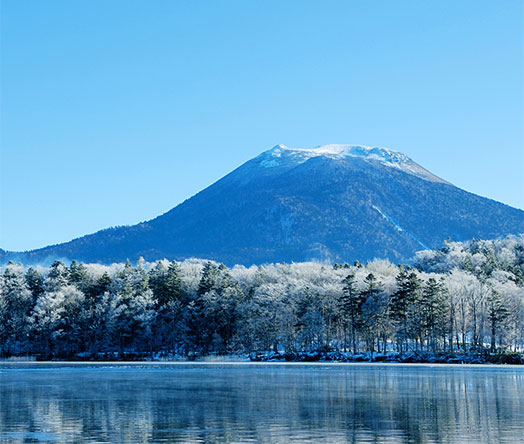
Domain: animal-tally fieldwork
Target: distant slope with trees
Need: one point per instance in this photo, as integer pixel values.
(335, 203)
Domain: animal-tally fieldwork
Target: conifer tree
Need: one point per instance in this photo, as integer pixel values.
(433, 308)
(58, 277)
(401, 304)
(372, 309)
(497, 313)
(351, 306)
(208, 279)
(35, 282)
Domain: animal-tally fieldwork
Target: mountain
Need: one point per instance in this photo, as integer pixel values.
(336, 202)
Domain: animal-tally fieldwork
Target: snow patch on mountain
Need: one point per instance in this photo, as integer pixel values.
(389, 219)
(282, 155)
(398, 227)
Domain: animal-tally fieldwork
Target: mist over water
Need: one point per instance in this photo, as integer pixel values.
(260, 403)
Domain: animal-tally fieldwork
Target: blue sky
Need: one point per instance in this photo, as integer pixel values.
(113, 112)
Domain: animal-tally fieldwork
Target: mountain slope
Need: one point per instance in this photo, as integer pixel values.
(335, 202)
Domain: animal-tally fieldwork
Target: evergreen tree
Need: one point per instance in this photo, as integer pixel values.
(351, 306)
(99, 287)
(174, 282)
(401, 303)
(498, 312)
(433, 309)
(157, 282)
(78, 276)
(166, 285)
(35, 282)
(57, 277)
(208, 280)
(373, 309)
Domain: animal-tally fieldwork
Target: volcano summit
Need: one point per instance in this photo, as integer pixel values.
(335, 203)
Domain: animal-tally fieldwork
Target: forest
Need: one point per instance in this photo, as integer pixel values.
(463, 298)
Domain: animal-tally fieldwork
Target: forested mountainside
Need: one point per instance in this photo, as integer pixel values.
(461, 297)
(336, 203)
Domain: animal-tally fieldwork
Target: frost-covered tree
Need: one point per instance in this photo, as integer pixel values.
(477, 298)
(46, 322)
(57, 277)
(464, 296)
(16, 302)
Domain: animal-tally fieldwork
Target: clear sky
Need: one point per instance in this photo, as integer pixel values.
(113, 112)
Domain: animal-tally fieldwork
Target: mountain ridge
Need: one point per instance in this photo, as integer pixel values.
(386, 156)
(331, 203)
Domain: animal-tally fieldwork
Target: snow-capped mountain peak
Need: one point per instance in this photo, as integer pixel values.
(281, 154)
(332, 203)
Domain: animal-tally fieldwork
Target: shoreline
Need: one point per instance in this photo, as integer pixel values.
(250, 364)
(295, 358)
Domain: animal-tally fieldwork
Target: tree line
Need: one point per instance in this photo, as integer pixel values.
(462, 297)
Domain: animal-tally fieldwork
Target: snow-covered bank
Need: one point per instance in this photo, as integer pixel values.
(406, 358)
(285, 357)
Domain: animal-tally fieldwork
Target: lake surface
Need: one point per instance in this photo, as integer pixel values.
(265, 403)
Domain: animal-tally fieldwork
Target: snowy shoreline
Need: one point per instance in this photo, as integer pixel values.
(146, 364)
(304, 358)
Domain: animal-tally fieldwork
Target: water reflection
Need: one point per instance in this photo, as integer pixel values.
(267, 404)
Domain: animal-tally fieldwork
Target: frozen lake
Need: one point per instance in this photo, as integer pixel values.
(264, 403)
